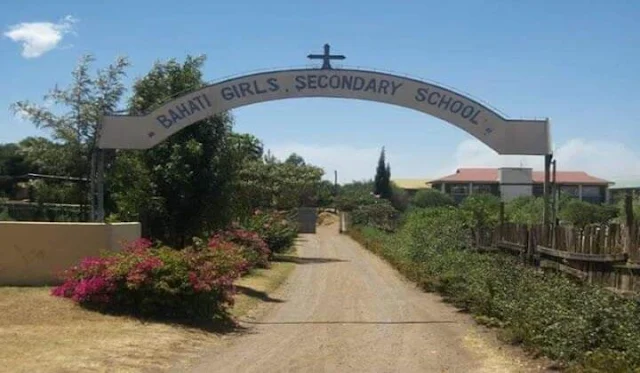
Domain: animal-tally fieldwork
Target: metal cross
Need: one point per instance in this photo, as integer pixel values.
(326, 57)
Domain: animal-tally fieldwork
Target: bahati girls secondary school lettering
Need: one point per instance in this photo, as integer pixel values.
(314, 82)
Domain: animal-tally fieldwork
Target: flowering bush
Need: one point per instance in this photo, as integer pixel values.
(254, 249)
(275, 228)
(157, 282)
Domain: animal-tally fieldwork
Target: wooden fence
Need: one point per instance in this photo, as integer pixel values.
(607, 255)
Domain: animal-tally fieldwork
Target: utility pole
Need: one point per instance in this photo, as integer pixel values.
(554, 204)
(546, 188)
(335, 189)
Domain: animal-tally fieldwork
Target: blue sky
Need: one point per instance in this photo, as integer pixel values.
(574, 63)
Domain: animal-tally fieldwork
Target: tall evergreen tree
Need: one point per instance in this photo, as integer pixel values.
(387, 191)
(382, 182)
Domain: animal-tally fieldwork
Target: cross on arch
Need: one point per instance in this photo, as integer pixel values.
(326, 57)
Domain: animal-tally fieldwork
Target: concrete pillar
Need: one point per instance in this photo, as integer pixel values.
(580, 192)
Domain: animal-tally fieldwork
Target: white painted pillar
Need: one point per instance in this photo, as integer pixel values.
(580, 192)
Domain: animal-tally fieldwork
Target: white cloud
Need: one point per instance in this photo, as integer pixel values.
(605, 159)
(38, 38)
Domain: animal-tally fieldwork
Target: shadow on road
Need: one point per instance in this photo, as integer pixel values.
(348, 322)
(307, 260)
(257, 294)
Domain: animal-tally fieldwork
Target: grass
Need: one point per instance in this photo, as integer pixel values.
(256, 287)
(41, 333)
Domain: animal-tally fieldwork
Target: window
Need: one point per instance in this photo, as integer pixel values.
(537, 190)
(483, 188)
(458, 188)
(571, 190)
(591, 191)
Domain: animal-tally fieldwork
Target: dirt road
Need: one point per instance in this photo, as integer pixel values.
(345, 310)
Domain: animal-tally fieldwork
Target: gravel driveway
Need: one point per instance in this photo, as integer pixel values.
(345, 310)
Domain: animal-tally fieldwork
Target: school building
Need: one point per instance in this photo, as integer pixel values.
(510, 182)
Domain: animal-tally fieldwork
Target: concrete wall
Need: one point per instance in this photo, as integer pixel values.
(515, 182)
(32, 253)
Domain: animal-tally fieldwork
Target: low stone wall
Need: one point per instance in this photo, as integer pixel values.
(32, 253)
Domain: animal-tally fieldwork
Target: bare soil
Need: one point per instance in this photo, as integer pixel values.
(345, 310)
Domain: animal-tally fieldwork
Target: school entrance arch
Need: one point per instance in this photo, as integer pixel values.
(505, 136)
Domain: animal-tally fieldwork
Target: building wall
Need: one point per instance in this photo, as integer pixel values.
(32, 253)
(515, 182)
(460, 190)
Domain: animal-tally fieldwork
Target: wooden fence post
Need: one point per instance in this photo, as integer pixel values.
(631, 245)
(501, 227)
(527, 244)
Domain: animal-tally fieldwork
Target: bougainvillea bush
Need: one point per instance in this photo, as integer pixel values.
(195, 283)
(275, 228)
(253, 247)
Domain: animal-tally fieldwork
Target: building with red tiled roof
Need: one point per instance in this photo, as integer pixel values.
(511, 182)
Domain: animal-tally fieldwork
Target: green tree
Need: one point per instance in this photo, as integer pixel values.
(525, 210)
(326, 194)
(355, 194)
(246, 147)
(12, 163)
(272, 184)
(382, 180)
(483, 210)
(581, 213)
(295, 159)
(72, 115)
(432, 198)
(185, 183)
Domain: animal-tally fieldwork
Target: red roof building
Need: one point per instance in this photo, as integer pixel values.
(512, 182)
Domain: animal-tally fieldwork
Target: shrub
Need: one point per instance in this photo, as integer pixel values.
(580, 213)
(583, 326)
(353, 195)
(275, 228)
(525, 210)
(432, 198)
(400, 199)
(157, 282)
(483, 210)
(379, 215)
(254, 249)
(4, 214)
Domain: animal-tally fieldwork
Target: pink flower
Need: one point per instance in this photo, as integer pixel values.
(138, 246)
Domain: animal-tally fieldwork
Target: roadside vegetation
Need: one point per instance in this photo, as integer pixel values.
(583, 328)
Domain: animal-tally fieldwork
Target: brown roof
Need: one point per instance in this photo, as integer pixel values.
(490, 175)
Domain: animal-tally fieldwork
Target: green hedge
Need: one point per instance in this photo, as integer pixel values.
(584, 327)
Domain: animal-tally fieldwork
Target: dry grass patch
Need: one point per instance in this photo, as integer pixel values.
(42, 333)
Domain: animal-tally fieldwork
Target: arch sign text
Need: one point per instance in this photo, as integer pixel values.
(505, 136)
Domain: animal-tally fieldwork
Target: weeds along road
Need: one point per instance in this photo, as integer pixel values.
(345, 310)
